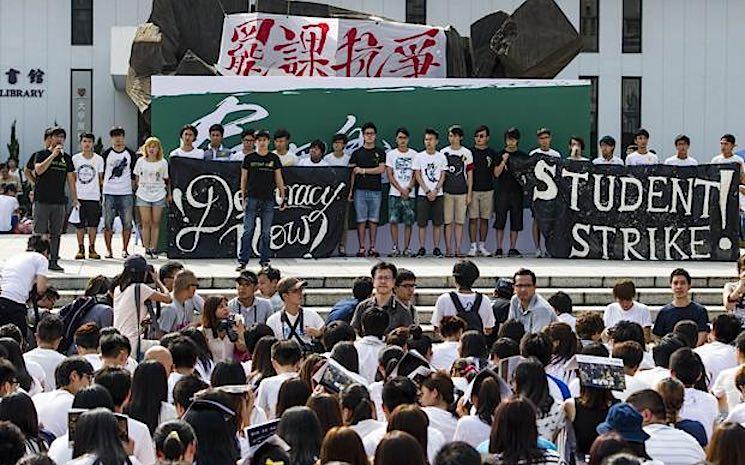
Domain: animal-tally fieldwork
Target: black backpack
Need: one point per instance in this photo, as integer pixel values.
(471, 317)
(72, 316)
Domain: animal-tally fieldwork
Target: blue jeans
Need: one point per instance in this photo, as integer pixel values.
(264, 209)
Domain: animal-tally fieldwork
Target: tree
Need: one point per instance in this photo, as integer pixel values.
(98, 147)
(14, 148)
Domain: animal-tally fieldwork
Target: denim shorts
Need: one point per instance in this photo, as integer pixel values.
(367, 205)
(144, 203)
(118, 205)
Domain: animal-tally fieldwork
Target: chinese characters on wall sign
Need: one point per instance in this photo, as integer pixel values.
(16, 80)
(262, 44)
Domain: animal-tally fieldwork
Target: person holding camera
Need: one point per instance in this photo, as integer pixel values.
(22, 274)
(224, 332)
(294, 322)
(52, 168)
(131, 295)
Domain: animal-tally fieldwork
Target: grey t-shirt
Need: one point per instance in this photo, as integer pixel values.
(538, 315)
(176, 316)
(256, 313)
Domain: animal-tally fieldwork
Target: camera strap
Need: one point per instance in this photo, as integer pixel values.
(138, 294)
(294, 328)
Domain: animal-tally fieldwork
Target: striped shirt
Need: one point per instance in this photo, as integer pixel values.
(672, 446)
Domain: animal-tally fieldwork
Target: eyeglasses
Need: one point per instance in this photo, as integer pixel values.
(408, 285)
(248, 140)
(369, 133)
(384, 278)
(524, 285)
(480, 136)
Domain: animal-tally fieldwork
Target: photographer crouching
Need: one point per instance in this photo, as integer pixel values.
(224, 332)
(23, 278)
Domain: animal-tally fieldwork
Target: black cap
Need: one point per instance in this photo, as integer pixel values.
(247, 275)
(505, 286)
(136, 263)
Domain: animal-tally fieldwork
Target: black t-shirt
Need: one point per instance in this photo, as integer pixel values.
(50, 186)
(483, 168)
(669, 315)
(261, 169)
(508, 184)
(367, 158)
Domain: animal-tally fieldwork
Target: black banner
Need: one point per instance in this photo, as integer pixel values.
(206, 218)
(654, 212)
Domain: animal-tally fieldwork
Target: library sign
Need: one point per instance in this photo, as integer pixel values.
(23, 84)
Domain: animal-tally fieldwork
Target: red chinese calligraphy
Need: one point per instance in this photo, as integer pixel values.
(250, 40)
(358, 52)
(303, 53)
(415, 60)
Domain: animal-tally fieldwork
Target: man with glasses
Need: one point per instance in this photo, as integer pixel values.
(527, 307)
(482, 204)
(294, 322)
(253, 309)
(403, 291)
(248, 139)
(365, 187)
(384, 277)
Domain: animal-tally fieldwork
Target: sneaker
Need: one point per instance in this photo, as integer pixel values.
(394, 252)
(422, 252)
(361, 253)
(437, 252)
(109, 254)
(406, 253)
(373, 253)
(499, 253)
(483, 252)
(342, 252)
(93, 255)
(240, 267)
(264, 264)
(307, 256)
(125, 254)
(473, 251)
(54, 266)
(538, 254)
(514, 253)
(81, 253)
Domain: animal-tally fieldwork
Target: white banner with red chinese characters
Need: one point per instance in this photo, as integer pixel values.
(258, 44)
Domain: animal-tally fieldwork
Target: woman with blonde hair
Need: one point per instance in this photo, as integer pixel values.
(153, 192)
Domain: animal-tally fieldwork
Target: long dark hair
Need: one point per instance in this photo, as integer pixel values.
(473, 344)
(489, 397)
(410, 419)
(356, 398)
(327, 410)
(345, 353)
(97, 433)
(204, 354)
(15, 356)
(209, 313)
(18, 408)
(397, 447)
(514, 433)
(213, 417)
(127, 277)
(300, 428)
(149, 389)
(596, 398)
(261, 360)
(565, 341)
(727, 446)
(531, 382)
(441, 381)
(293, 392)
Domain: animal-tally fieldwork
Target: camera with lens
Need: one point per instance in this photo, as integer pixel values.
(228, 325)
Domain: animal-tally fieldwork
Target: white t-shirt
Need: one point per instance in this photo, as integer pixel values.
(435, 441)
(638, 313)
(368, 349)
(737, 414)
(173, 378)
(724, 386)
(431, 167)
(48, 359)
(701, 407)
(673, 446)
(676, 161)
(282, 330)
(52, 408)
(652, 376)
(442, 420)
(87, 174)
(288, 159)
(151, 181)
(144, 450)
(636, 158)
(8, 206)
(569, 319)
(716, 357)
(117, 179)
(402, 165)
(550, 152)
(19, 275)
(365, 427)
(195, 153)
(125, 311)
(721, 159)
(268, 392)
(37, 372)
(632, 385)
(333, 160)
(600, 160)
(472, 430)
(444, 354)
(445, 307)
(308, 162)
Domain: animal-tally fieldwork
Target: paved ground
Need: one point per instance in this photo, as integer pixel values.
(346, 267)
